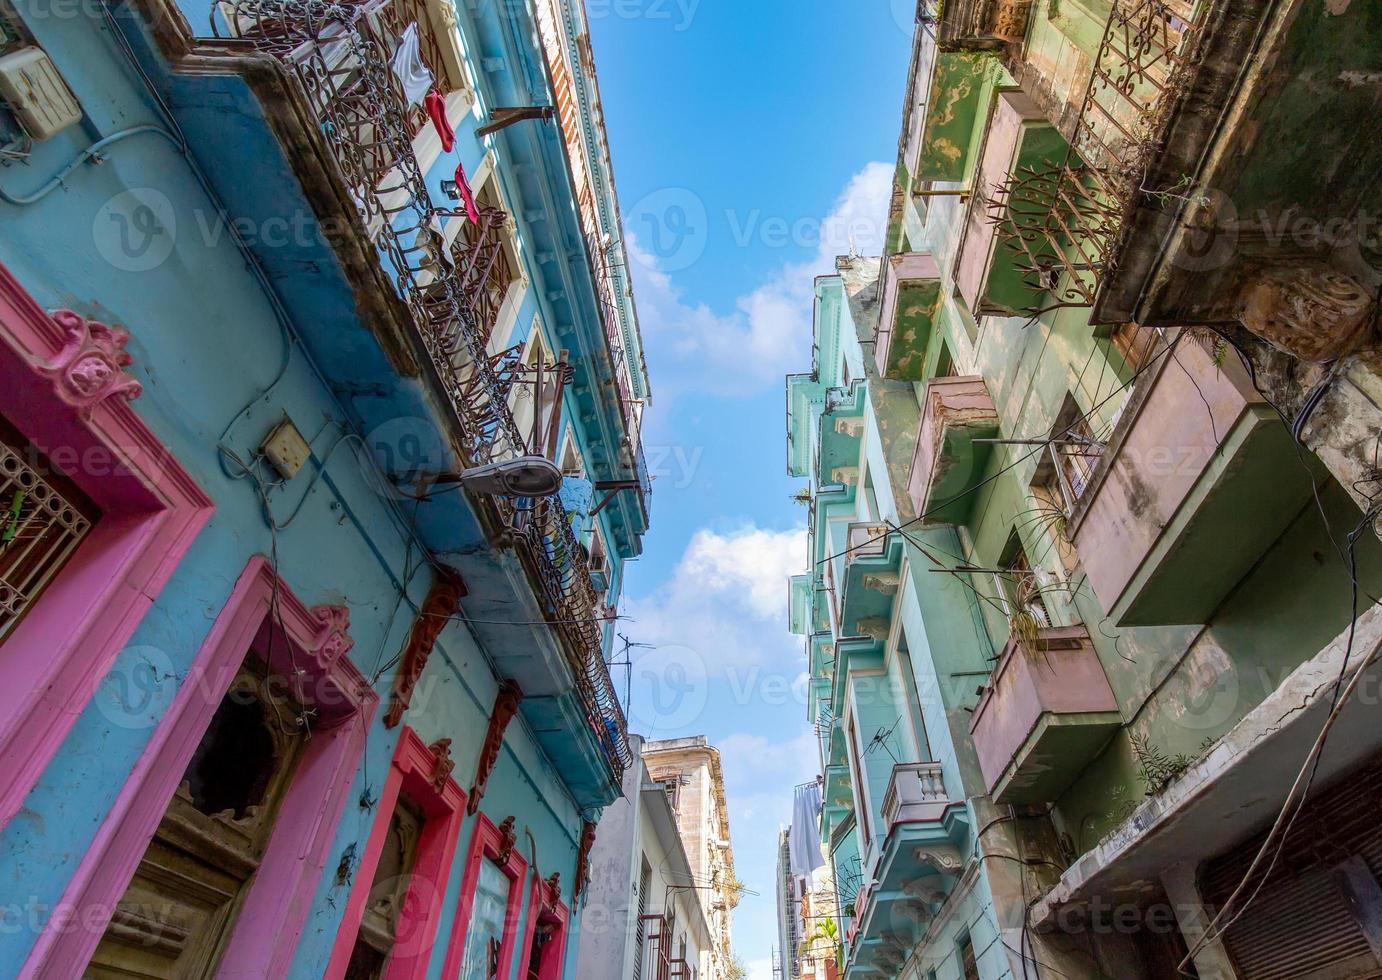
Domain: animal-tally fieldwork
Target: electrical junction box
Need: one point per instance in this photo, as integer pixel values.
(41, 100)
(286, 449)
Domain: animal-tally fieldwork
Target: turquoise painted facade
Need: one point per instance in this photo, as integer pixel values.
(211, 212)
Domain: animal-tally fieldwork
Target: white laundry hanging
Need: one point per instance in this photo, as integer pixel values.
(409, 68)
(805, 841)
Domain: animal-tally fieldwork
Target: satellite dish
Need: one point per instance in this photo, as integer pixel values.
(526, 476)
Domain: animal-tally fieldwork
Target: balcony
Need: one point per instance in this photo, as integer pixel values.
(994, 272)
(911, 295)
(841, 434)
(359, 133)
(1063, 217)
(920, 862)
(916, 792)
(871, 580)
(1044, 716)
(837, 798)
(949, 461)
(1196, 452)
(952, 112)
(981, 25)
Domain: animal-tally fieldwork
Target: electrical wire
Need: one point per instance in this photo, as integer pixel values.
(1015, 463)
(1281, 827)
(92, 152)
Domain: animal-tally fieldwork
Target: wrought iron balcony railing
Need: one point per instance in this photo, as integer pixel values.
(339, 52)
(1065, 222)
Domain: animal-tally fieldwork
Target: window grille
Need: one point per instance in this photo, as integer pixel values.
(42, 521)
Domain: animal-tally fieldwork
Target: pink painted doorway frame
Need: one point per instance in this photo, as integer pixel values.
(411, 775)
(63, 384)
(546, 903)
(485, 843)
(276, 907)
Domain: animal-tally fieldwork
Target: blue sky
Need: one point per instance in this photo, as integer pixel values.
(752, 141)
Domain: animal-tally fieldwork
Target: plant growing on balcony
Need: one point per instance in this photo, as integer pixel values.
(1157, 768)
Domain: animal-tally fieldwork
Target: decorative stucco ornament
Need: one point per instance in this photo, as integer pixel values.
(91, 365)
(1309, 311)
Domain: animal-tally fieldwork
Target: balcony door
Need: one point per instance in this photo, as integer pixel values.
(177, 914)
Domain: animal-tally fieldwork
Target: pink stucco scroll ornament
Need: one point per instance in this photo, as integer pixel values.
(91, 365)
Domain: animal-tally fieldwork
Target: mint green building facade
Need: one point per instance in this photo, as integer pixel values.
(1079, 603)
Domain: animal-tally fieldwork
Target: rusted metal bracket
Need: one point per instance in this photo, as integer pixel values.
(505, 117)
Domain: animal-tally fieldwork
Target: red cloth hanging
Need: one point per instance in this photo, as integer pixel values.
(436, 108)
(463, 185)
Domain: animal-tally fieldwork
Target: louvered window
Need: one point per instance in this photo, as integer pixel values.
(1302, 926)
(645, 880)
(43, 518)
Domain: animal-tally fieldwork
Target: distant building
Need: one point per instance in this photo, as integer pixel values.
(645, 916)
(688, 769)
(789, 934)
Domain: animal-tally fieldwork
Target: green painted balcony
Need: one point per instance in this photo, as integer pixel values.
(837, 798)
(910, 300)
(1199, 479)
(1047, 712)
(920, 863)
(852, 652)
(949, 461)
(952, 111)
(992, 276)
(799, 604)
(871, 580)
(841, 432)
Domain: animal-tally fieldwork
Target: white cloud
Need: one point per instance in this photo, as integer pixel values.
(751, 761)
(719, 621)
(765, 335)
(727, 597)
(750, 566)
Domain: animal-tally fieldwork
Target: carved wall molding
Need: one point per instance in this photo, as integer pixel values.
(583, 859)
(505, 707)
(442, 763)
(945, 858)
(442, 603)
(1308, 310)
(332, 639)
(507, 840)
(90, 367)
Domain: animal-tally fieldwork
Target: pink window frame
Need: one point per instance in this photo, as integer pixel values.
(546, 903)
(485, 843)
(410, 775)
(63, 384)
(275, 910)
